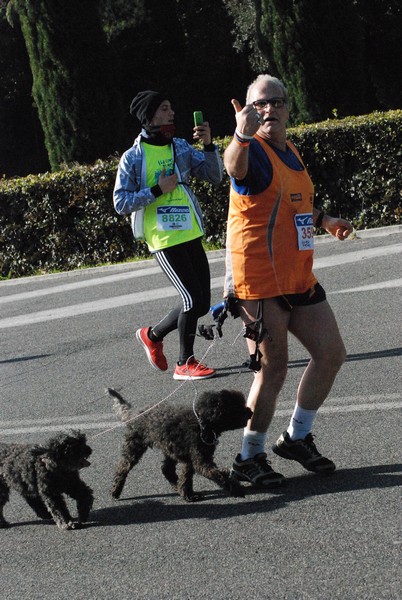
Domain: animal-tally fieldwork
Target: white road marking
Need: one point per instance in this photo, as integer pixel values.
(105, 421)
(138, 298)
(95, 306)
(393, 283)
(79, 285)
(136, 272)
(164, 292)
(357, 256)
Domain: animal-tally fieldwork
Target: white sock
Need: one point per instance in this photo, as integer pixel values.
(253, 443)
(301, 423)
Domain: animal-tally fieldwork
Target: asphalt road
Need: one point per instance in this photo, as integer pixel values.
(64, 338)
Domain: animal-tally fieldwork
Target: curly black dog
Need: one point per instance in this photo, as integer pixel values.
(42, 474)
(185, 436)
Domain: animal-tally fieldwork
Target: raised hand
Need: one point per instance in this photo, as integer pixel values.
(203, 133)
(248, 120)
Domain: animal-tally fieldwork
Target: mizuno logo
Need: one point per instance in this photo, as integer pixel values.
(296, 197)
(177, 210)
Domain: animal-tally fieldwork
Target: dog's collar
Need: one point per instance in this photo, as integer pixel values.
(208, 436)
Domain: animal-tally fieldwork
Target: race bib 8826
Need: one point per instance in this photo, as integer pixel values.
(173, 218)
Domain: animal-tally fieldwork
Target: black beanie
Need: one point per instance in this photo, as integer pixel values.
(145, 104)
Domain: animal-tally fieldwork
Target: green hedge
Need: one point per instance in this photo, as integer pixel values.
(62, 221)
(66, 220)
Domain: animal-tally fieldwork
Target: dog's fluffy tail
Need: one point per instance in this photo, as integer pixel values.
(120, 406)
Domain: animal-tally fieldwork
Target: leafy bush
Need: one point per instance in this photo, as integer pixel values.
(62, 221)
(355, 165)
(66, 220)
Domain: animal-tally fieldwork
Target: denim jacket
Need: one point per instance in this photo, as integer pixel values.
(131, 196)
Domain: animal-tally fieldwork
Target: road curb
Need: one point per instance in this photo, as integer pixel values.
(212, 255)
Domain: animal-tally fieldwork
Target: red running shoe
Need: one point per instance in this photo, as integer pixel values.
(154, 350)
(193, 369)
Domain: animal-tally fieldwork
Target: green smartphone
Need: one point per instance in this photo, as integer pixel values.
(198, 118)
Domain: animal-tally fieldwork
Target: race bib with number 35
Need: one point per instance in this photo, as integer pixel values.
(305, 231)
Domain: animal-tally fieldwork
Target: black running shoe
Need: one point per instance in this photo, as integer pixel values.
(305, 452)
(256, 470)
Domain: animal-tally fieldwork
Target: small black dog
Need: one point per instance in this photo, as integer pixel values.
(42, 474)
(185, 436)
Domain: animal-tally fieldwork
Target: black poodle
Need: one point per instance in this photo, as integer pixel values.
(42, 474)
(185, 435)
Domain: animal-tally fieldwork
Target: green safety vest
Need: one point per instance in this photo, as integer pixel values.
(170, 220)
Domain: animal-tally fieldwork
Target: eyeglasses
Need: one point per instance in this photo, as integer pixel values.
(274, 102)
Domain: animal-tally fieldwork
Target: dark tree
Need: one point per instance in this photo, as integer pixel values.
(318, 49)
(147, 47)
(69, 72)
(71, 77)
(22, 148)
(245, 34)
(382, 21)
(216, 71)
(182, 47)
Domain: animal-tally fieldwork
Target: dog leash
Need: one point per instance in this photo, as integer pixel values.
(135, 417)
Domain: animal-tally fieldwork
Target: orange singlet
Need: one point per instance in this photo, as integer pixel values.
(269, 246)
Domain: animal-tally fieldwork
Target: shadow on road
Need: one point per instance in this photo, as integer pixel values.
(303, 362)
(23, 358)
(149, 509)
(354, 357)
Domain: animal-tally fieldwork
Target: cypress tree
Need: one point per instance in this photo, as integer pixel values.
(147, 44)
(68, 58)
(22, 149)
(383, 25)
(317, 48)
(215, 71)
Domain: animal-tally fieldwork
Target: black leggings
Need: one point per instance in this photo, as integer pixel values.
(186, 266)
